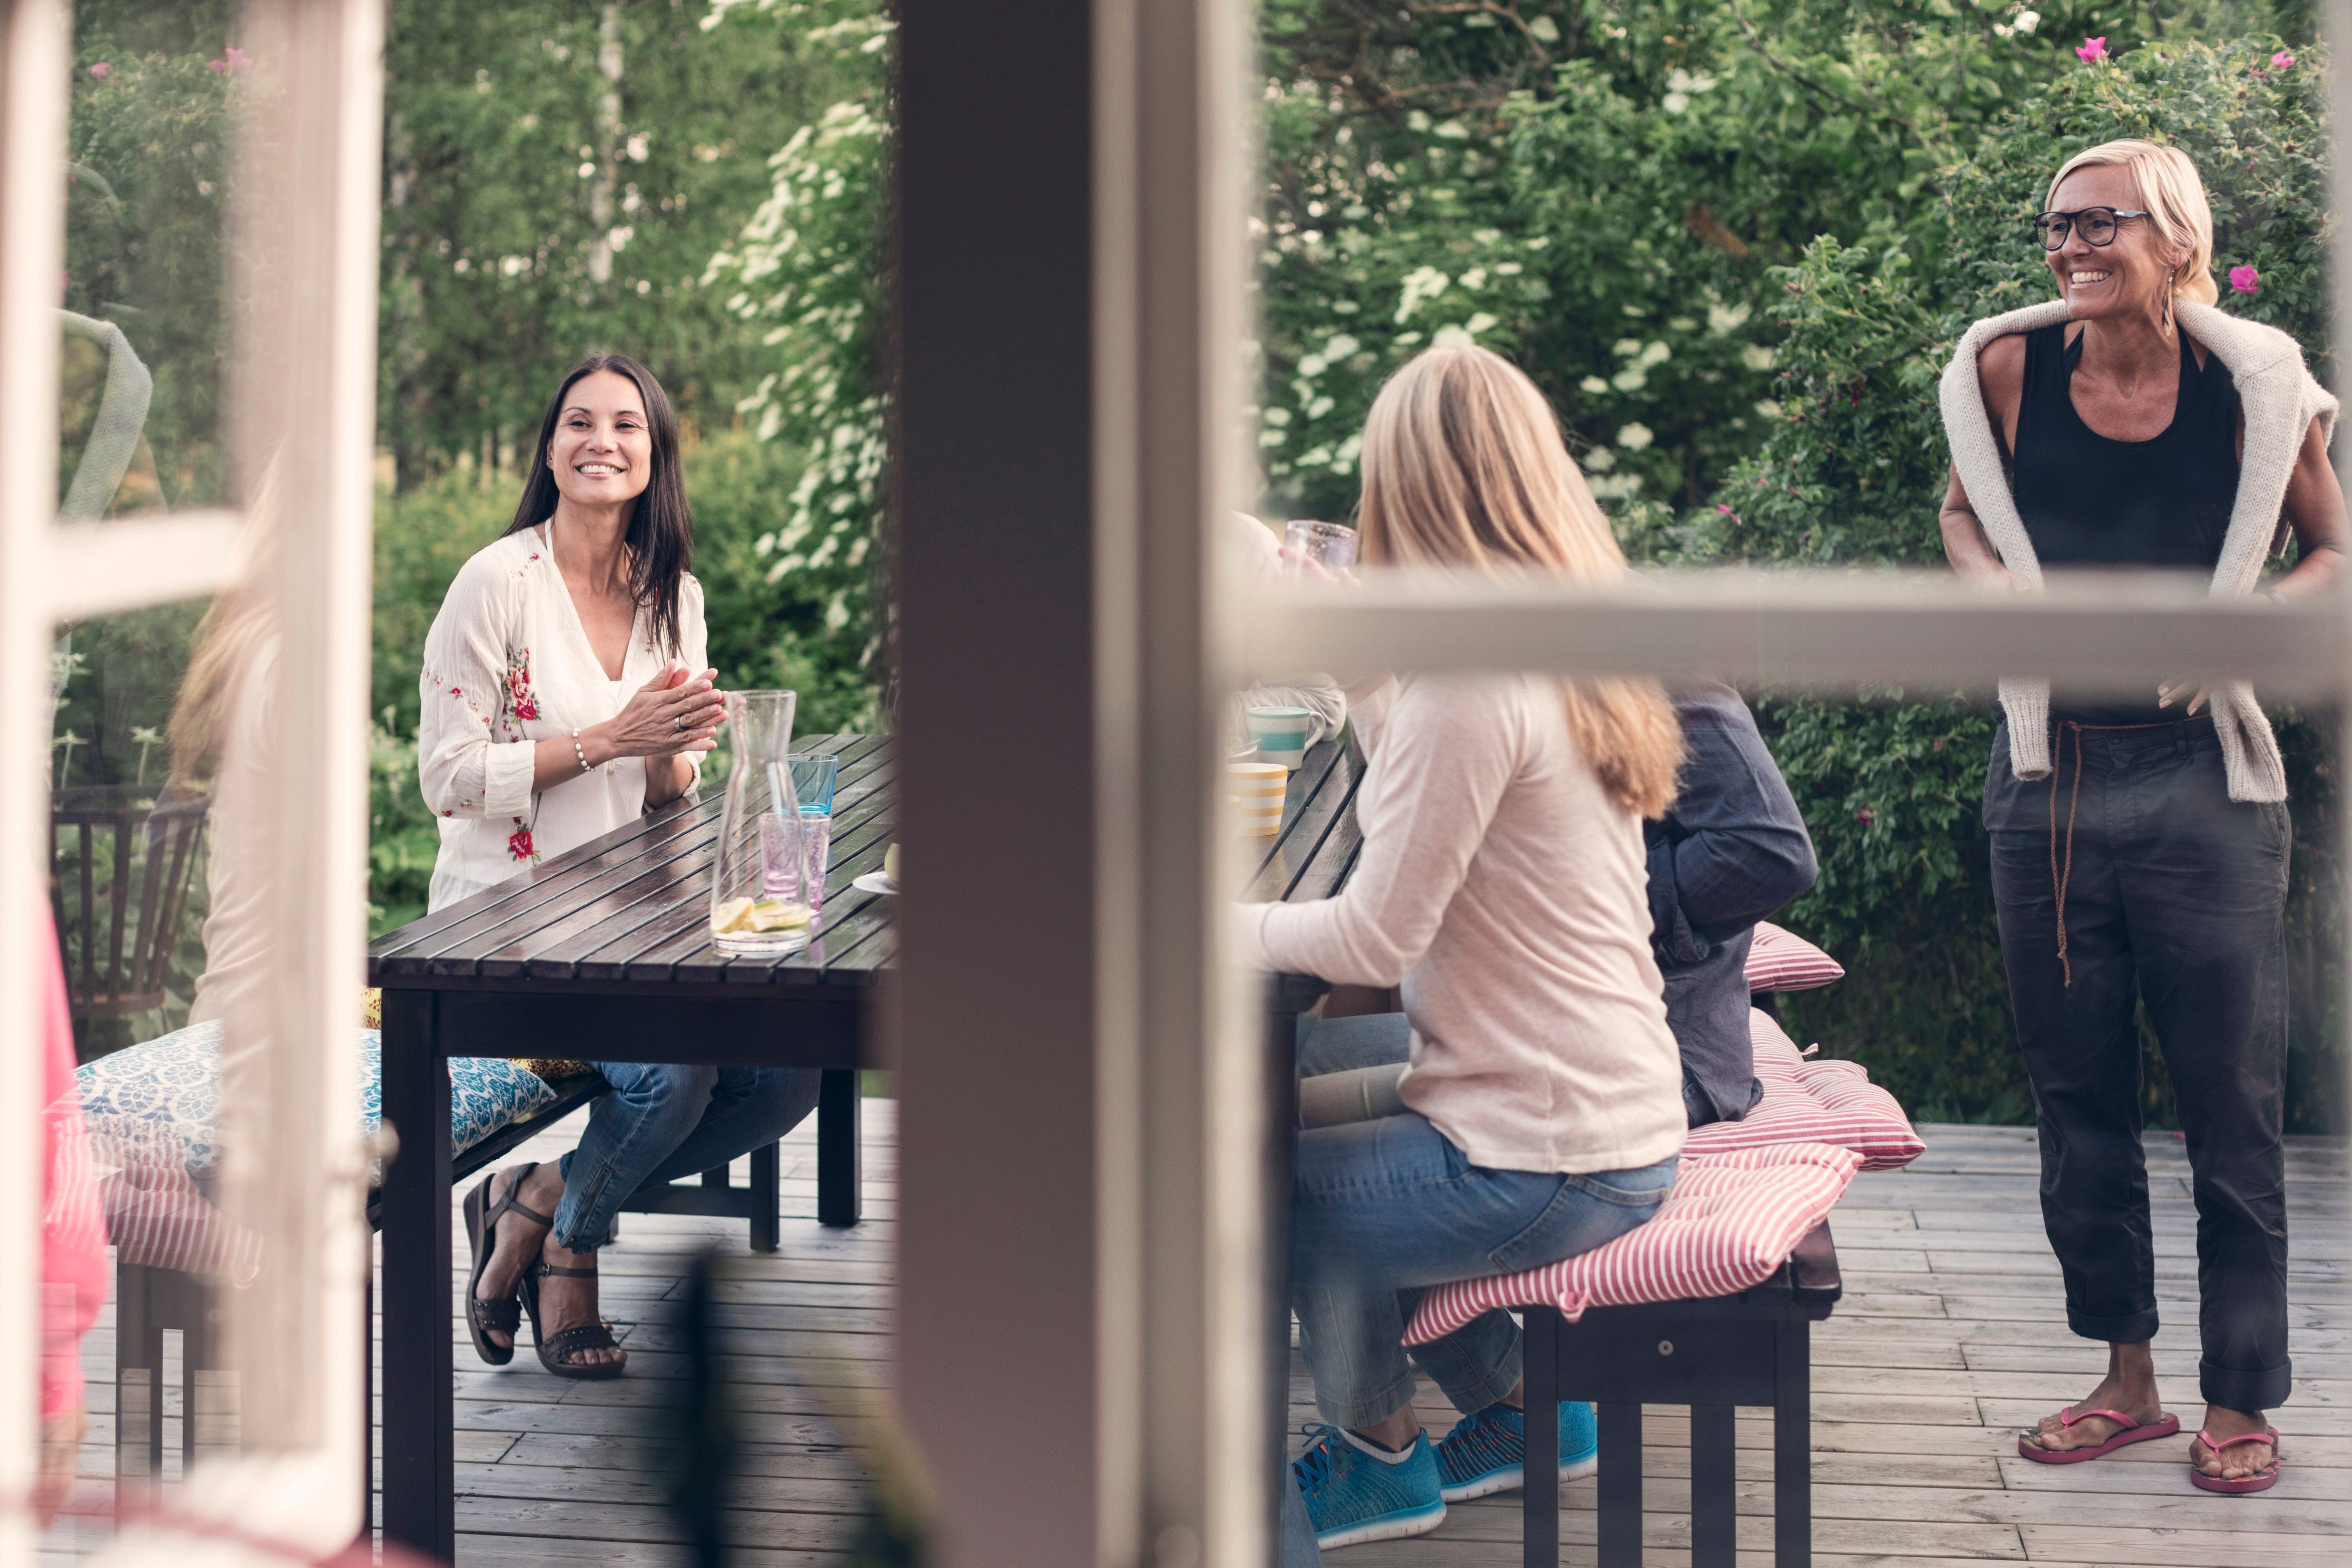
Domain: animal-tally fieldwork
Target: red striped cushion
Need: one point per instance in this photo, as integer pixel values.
(1730, 1220)
(1813, 1102)
(1781, 959)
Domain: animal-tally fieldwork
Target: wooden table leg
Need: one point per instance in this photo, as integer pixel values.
(1280, 1063)
(1540, 1504)
(1792, 1446)
(419, 1408)
(838, 1199)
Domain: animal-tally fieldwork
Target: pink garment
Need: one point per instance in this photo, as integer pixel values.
(74, 1275)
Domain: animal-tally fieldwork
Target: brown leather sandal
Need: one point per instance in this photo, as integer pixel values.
(505, 1314)
(556, 1350)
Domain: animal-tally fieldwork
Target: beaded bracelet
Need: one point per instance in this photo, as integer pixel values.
(580, 751)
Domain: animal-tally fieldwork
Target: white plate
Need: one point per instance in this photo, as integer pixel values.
(874, 882)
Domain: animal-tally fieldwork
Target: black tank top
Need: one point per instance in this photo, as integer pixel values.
(2088, 501)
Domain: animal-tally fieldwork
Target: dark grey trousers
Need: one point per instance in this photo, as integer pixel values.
(2175, 897)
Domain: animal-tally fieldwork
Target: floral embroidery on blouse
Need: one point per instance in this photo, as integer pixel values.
(522, 701)
(519, 844)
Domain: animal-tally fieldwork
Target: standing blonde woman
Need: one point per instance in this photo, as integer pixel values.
(1503, 883)
(2139, 849)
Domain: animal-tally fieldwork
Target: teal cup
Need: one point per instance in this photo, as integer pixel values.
(1281, 734)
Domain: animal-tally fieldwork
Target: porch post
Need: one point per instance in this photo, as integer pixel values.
(1081, 1340)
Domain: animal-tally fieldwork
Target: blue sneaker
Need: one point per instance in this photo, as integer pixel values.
(1489, 1452)
(1352, 1498)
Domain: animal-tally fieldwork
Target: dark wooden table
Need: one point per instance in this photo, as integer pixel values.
(600, 954)
(1310, 857)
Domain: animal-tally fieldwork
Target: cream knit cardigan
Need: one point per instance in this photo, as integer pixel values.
(2280, 400)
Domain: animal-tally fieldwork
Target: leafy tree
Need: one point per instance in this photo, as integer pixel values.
(806, 273)
(555, 182)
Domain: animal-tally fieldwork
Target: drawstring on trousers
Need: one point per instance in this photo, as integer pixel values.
(2059, 876)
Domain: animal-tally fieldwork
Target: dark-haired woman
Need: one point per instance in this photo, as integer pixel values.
(563, 695)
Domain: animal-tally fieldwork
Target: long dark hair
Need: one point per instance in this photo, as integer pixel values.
(660, 535)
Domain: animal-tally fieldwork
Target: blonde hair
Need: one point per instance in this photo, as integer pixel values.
(1463, 466)
(2174, 194)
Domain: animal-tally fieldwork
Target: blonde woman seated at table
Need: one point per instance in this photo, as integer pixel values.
(1502, 881)
(564, 695)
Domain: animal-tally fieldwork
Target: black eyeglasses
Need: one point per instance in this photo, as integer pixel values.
(2097, 224)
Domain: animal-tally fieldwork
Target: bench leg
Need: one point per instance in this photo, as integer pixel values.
(1621, 1485)
(839, 1201)
(1792, 1446)
(1714, 1503)
(1539, 1492)
(766, 1167)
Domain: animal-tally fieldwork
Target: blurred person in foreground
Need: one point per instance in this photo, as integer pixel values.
(1502, 884)
(2139, 849)
(74, 1271)
(564, 694)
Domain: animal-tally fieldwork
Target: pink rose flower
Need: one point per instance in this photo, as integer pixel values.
(1865, 816)
(234, 61)
(101, 71)
(2245, 281)
(2092, 51)
(2281, 60)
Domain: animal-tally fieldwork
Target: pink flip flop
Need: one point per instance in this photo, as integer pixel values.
(2133, 1432)
(2261, 1483)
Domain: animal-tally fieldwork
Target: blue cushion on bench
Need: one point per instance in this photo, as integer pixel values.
(172, 1081)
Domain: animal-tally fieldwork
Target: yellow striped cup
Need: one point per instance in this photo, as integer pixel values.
(1257, 790)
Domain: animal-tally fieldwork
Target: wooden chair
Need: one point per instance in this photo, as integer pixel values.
(131, 861)
(150, 1301)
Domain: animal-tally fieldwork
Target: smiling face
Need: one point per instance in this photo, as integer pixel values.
(2131, 274)
(603, 449)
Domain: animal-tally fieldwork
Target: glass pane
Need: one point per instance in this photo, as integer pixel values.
(179, 853)
(149, 178)
(129, 897)
(1735, 317)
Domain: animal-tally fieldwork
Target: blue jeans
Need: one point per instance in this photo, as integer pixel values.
(1384, 1209)
(662, 1122)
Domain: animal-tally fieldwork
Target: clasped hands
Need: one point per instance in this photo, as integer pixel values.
(676, 713)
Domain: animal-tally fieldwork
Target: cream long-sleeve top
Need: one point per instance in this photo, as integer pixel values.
(508, 663)
(1509, 895)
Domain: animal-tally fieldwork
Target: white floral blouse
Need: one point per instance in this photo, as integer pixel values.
(508, 662)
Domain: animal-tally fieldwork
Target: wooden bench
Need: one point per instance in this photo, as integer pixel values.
(1712, 1356)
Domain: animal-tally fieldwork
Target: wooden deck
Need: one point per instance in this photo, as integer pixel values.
(1952, 1335)
(1950, 1338)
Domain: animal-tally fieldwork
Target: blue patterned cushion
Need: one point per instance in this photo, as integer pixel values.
(172, 1081)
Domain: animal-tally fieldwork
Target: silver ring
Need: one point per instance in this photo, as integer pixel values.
(677, 723)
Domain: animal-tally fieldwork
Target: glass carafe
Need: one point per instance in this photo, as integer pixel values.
(756, 907)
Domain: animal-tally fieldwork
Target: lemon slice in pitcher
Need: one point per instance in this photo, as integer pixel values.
(731, 916)
(775, 915)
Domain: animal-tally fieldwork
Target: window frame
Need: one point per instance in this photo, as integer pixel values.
(302, 1481)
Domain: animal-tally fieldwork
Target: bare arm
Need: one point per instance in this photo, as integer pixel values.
(2314, 510)
(1966, 546)
(2001, 376)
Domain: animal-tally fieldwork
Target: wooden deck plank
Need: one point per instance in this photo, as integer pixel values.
(1951, 1339)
